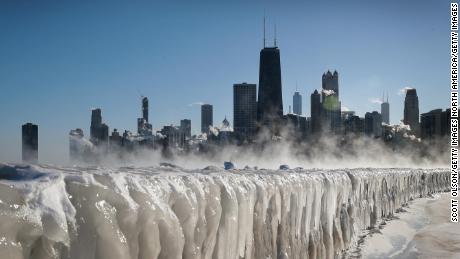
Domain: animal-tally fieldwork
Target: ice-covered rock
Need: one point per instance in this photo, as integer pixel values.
(101, 213)
(164, 164)
(19, 173)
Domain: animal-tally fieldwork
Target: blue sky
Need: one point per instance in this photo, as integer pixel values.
(58, 60)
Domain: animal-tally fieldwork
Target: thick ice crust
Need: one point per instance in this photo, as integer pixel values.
(169, 212)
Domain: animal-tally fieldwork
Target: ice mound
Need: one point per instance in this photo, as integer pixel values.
(18, 173)
(127, 213)
(164, 164)
(211, 168)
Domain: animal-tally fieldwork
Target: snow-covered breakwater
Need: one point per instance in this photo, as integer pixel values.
(167, 212)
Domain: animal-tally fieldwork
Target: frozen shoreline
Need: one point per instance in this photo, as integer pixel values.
(423, 230)
(170, 212)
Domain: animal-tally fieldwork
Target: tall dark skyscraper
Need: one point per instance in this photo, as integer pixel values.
(315, 108)
(446, 122)
(244, 110)
(411, 112)
(185, 131)
(206, 118)
(30, 143)
(96, 119)
(435, 123)
(353, 124)
(270, 98)
(385, 110)
(143, 125)
(330, 100)
(373, 124)
(330, 82)
(99, 132)
(145, 108)
(186, 128)
(297, 103)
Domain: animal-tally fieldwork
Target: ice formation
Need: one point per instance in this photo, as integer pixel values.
(169, 212)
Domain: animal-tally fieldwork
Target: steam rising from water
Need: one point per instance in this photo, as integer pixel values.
(322, 152)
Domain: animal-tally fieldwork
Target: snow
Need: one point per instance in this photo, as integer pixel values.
(171, 212)
(422, 230)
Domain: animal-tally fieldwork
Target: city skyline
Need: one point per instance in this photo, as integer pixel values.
(117, 117)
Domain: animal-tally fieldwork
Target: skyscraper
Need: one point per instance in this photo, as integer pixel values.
(385, 110)
(185, 131)
(143, 125)
(368, 123)
(186, 128)
(145, 108)
(411, 112)
(99, 132)
(30, 143)
(435, 123)
(244, 110)
(353, 124)
(172, 136)
(373, 124)
(315, 108)
(445, 122)
(96, 121)
(115, 139)
(296, 125)
(331, 107)
(270, 97)
(206, 118)
(330, 82)
(297, 103)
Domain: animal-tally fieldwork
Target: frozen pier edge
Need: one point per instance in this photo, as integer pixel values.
(168, 212)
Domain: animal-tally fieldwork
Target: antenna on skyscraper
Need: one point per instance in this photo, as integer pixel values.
(275, 35)
(264, 28)
(296, 85)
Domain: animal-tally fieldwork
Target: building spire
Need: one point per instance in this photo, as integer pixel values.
(264, 29)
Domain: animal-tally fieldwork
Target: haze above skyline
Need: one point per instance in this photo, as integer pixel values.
(59, 60)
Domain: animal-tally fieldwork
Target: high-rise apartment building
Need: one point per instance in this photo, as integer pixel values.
(270, 97)
(411, 111)
(244, 110)
(206, 118)
(30, 143)
(297, 103)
